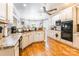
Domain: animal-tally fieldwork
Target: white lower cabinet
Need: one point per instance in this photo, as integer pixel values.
(7, 52)
(29, 38)
(25, 41)
(10, 51)
(41, 36)
(38, 36)
(76, 41)
(16, 49)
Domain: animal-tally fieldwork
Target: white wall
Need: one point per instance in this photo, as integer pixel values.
(30, 23)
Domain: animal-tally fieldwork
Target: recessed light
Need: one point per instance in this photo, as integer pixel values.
(24, 5)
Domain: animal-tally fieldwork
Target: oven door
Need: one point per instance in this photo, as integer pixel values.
(67, 31)
(67, 36)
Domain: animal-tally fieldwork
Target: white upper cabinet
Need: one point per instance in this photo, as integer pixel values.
(3, 11)
(66, 14)
(55, 18)
(10, 12)
(77, 14)
(62, 15)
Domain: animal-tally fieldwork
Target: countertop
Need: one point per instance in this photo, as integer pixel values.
(10, 41)
(33, 31)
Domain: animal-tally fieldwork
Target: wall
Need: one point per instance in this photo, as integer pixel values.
(31, 22)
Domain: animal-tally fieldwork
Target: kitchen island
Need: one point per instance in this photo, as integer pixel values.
(9, 46)
(13, 44)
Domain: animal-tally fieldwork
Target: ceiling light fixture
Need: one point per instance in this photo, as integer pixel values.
(24, 5)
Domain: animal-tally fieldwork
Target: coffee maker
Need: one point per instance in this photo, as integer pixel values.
(13, 29)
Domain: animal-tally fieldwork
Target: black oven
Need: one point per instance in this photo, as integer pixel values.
(67, 30)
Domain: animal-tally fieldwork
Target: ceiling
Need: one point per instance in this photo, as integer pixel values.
(35, 11)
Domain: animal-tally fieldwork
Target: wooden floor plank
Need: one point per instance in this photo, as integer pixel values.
(54, 48)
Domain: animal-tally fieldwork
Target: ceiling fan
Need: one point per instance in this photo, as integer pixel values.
(49, 11)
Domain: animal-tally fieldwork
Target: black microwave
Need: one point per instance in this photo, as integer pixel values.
(58, 22)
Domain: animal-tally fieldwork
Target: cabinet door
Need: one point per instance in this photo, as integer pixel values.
(17, 49)
(77, 15)
(3, 11)
(68, 13)
(31, 38)
(10, 12)
(62, 15)
(53, 34)
(25, 41)
(35, 37)
(39, 36)
(76, 41)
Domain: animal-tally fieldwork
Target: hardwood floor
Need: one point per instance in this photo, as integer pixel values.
(53, 48)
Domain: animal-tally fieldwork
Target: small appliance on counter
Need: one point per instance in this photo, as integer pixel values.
(19, 30)
(1, 31)
(13, 29)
